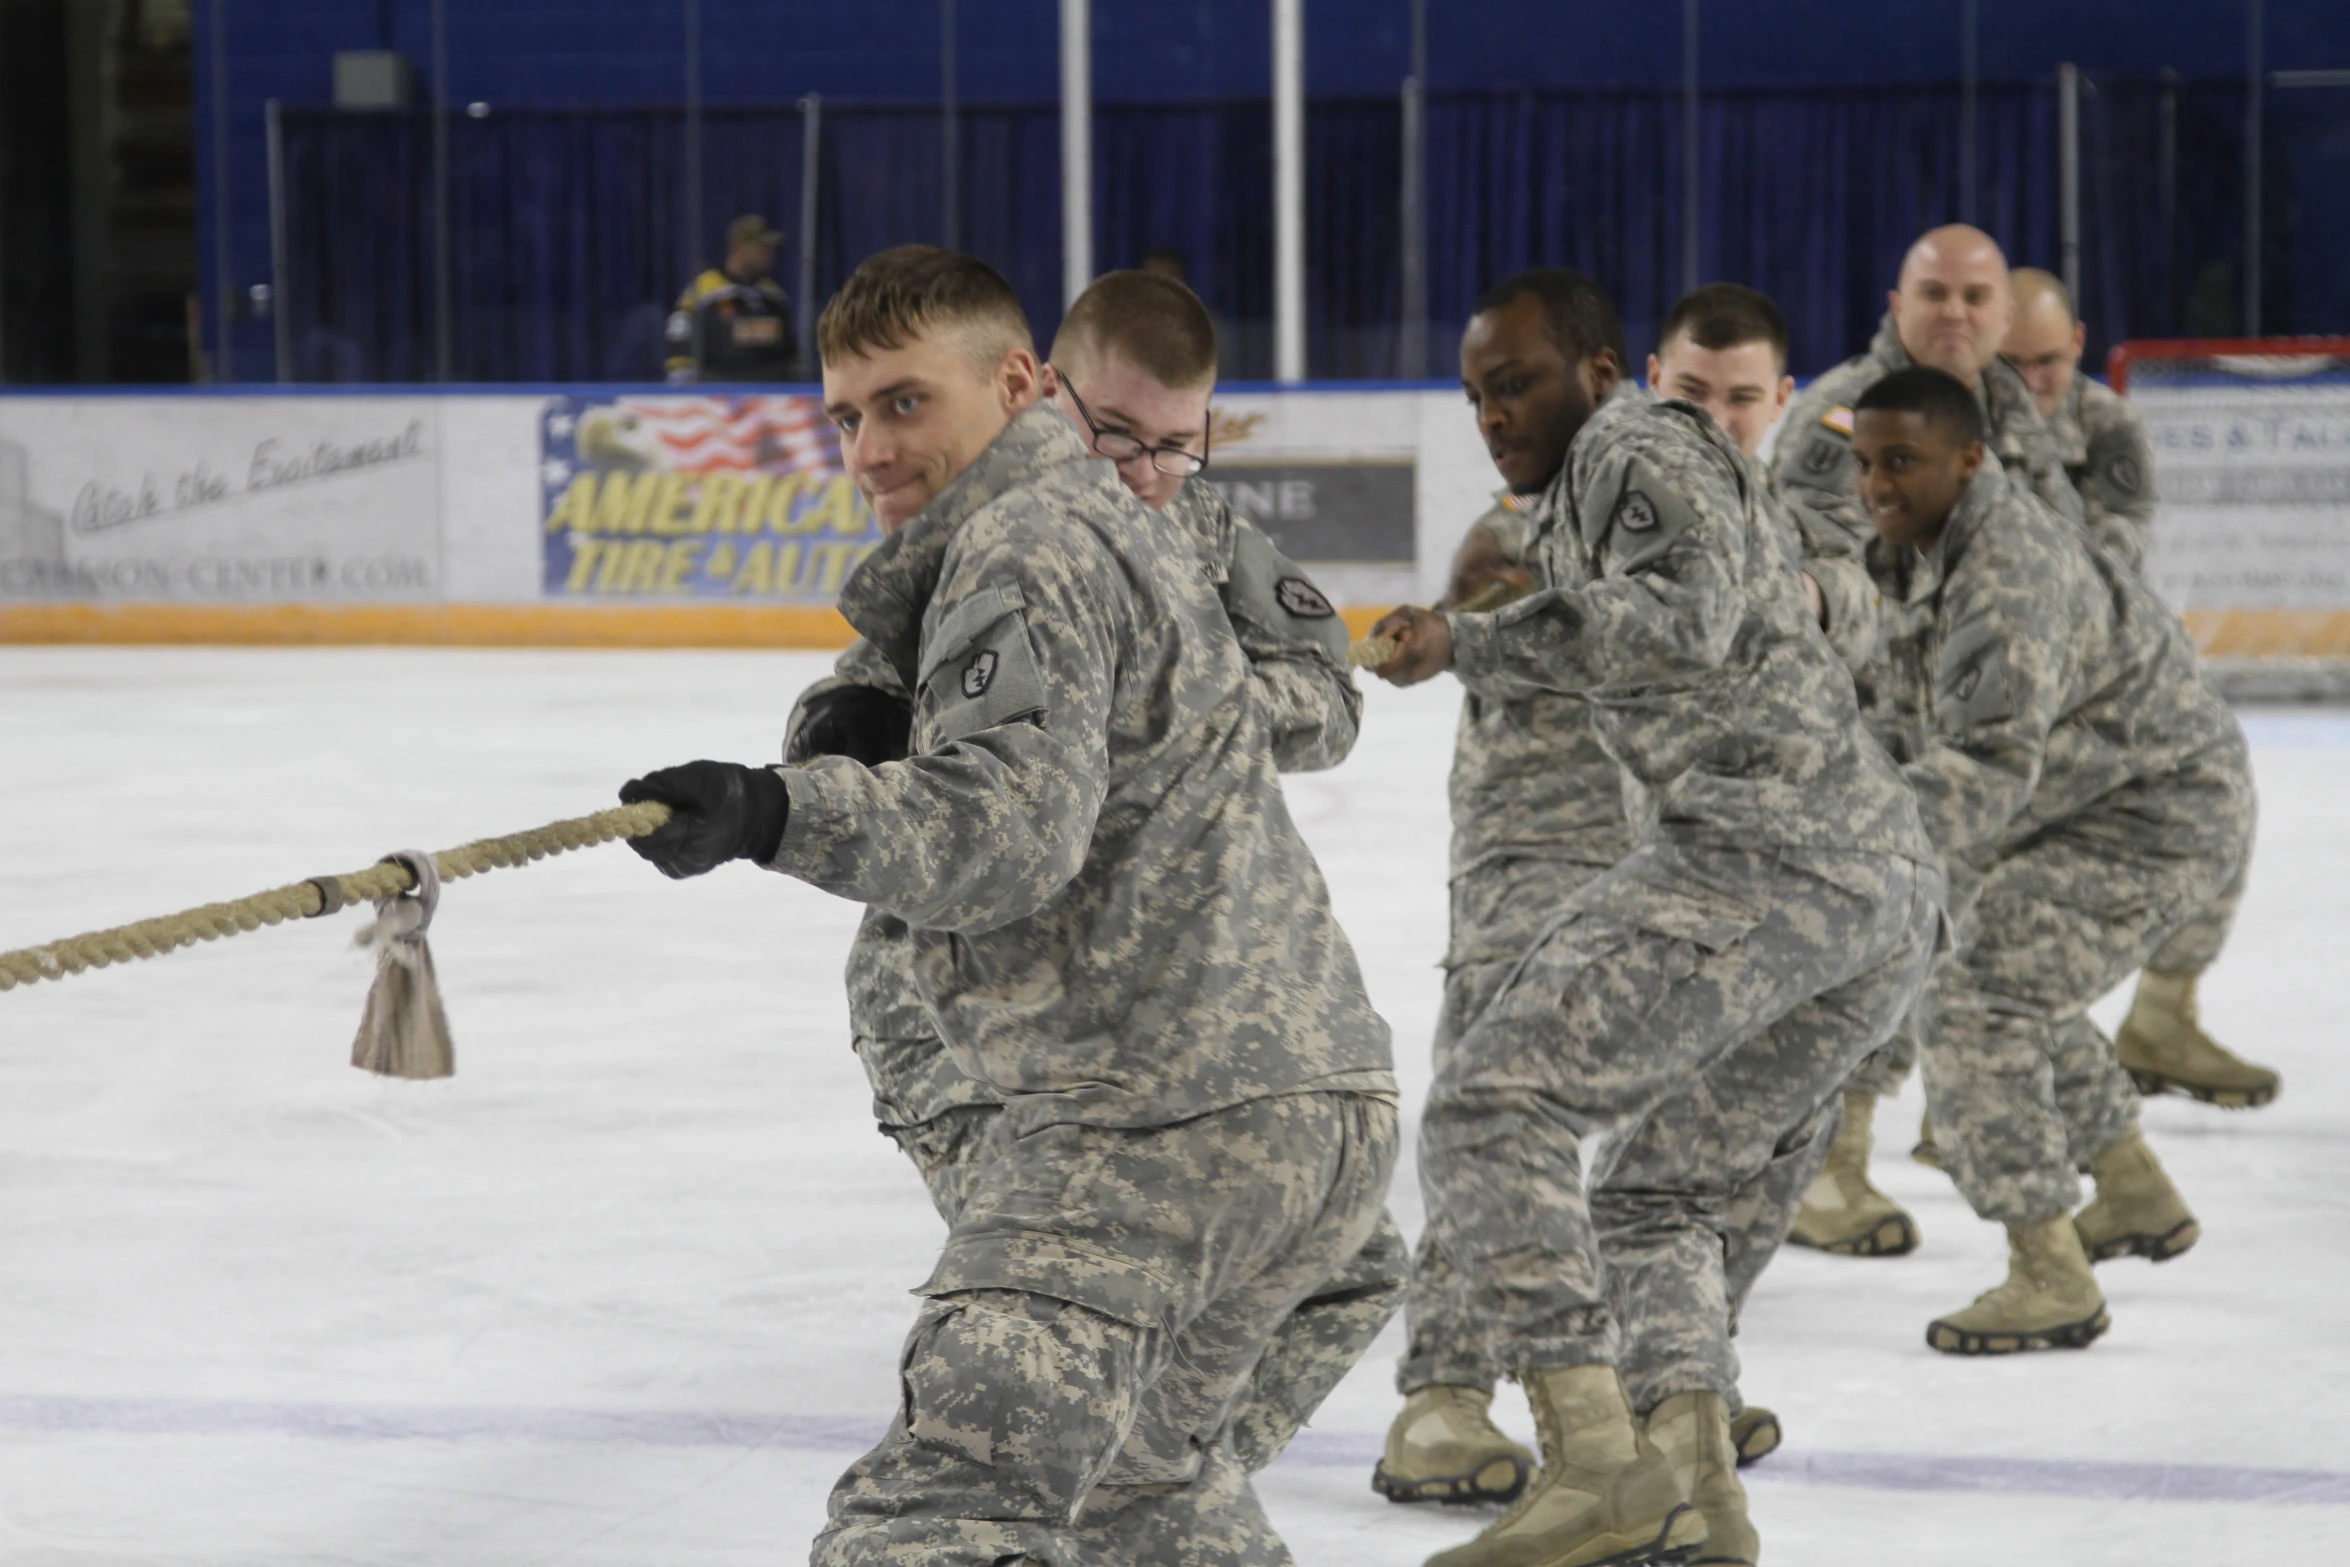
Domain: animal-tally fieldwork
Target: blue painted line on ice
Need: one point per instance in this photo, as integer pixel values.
(2146, 1482)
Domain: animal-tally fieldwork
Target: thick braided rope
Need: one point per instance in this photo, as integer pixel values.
(1371, 652)
(320, 895)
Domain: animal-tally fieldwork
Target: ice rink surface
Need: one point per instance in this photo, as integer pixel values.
(629, 1289)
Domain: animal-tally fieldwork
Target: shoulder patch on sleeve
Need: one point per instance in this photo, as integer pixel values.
(1269, 600)
(2122, 473)
(1838, 419)
(1824, 456)
(1638, 522)
(1972, 683)
(1302, 599)
(980, 670)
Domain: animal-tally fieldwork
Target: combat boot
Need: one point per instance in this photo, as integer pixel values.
(1444, 1447)
(1842, 1212)
(1925, 1150)
(1604, 1497)
(2137, 1212)
(2050, 1299)
(1755, 1433)
(2164, 1049)
(1692, 1430)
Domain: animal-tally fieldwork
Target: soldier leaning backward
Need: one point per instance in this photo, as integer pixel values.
(2089, 794)
(1537, 811)
(1705, 997)
(1949, 309)
(1134, 365)
(2111, 462)
(1114, 922)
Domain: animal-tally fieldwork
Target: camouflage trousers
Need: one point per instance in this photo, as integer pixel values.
(2023, 1088)
(2190, 949)
(1498, 910)
(1701, 1007)
(1312, 1351)
(1106, 1296)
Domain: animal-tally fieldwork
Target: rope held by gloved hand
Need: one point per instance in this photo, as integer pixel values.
(405, 1004)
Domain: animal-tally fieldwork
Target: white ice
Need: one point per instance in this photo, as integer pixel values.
(629, 1289)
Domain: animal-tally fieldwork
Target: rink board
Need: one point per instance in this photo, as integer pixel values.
(592, 516)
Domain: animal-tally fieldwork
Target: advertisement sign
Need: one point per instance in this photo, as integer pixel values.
(1331, 479)
(243, 500)
(2254, 486)
(728, 499)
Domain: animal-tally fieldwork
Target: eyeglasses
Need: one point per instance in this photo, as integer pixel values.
(1125, 446)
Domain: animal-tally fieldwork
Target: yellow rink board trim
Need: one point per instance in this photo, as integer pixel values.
(447, 625)
(2221, 633)
(427, 625)
(2271, 633)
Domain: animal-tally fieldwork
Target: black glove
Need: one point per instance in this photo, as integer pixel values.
(863, 723)
(721, 811)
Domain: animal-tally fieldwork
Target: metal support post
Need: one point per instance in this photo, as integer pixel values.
(811, 135)
(950, 150)
(1289, 190)
(1692, 167)
(1076, 148)
(282, 329)
(444, 288)
(2068, 180)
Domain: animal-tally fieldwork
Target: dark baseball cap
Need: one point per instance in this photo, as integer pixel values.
(752, 229)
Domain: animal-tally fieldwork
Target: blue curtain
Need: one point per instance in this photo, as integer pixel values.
(570, 240)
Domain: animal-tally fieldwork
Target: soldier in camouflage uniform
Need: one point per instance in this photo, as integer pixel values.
(1298, 675)
(1113, 923)
(2162, 1043)
(1704, 998)
(2088, 792)
(1537, 811)
(1951, 310)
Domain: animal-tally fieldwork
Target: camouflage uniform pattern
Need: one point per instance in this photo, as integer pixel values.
(2111, 463)
(1198, 1118)
(1537, 811)
(2088, 791)
(1811, 470)
(939, 1117)
(1704, 998)
(1087, 1415)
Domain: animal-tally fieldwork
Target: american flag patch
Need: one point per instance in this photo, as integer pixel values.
(1838, 419)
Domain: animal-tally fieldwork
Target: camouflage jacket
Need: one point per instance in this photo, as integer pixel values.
(1112, 917)
(1811, 469)
(2111, 464)
(2032, 677)
(1529, 778)
(1668, 605)
(1298, 677)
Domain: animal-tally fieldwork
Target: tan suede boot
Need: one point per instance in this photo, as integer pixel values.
(2050, 1299)
(1444, 1447)
(1925, 1150)
(1605, 1497)
(1692, 1430)
(1755, 1433)
(2164, 1049)
(1842, 1213)
(2137, 1212)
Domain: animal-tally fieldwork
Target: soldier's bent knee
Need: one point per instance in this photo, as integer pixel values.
(1026, 1394)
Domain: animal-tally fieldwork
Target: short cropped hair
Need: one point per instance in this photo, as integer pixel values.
(1727, 315)
(1153, 322)
(898, 296)
(1941, 400)
(1581, 317)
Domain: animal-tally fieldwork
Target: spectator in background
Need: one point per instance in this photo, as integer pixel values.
(733, 323)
